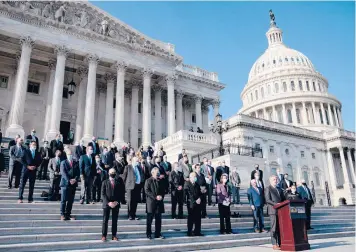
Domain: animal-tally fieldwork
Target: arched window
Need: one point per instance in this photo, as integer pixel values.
(306, 177)
(319, 87)
(300, 86)
(274, 38)
(314, 86)
(269, 89)
(263, 64)
(308, 88)
(279, 37)
(276, 88)
(289, 115)
(321, 117)
(280, 117)
(297, 111)
(251, 96)
(292, 86)
(327, 117)
(284, 87)
(270, 38)
(256, 95)
(286, 59)
(289, 170)
(292, 59)
(317, 179)
(308, 114)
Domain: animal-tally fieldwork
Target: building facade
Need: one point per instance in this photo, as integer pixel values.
(129, 87)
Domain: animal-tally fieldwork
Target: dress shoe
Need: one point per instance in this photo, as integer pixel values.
(136, 218)
(275, 247)
(229, 232)
(87, 202)
(30, 201)
(149, 237)
(71, 217)
(16, 187)
(9, 187)
(159, 237)
(93, 202)
(103, 238)
(257, 231)
(189, 234)
(131, 218)
(63, 218)
(81, 202)
(263, 231)
(19, 201)
(114, 238)
(222, 233)
(200, 234)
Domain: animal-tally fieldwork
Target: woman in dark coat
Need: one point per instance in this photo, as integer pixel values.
(224, 199)
(292, 193)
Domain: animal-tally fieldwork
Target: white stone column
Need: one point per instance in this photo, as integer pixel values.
(93, 61)
(265, 114)
(315, 117)
(198, 115)
(323, 113)
(338, 111)
(331, 167)
(109, 107)
(134, 115)
(216, 106)
(18, 101)
(205, 118)
(120, 104)
(52, 72)
(179, 108)
(294, 114)
(331, 119)
(56, 114)
(304, 115)
(351, 166)
(79, 124)
(146, 108)
(336, 121)
(284, 113)
(344, 168)
(171, 113)
(158, 114)
(274, 114)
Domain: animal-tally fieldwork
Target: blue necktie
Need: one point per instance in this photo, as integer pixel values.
(33, 154)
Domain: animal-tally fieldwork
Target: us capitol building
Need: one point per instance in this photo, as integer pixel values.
(70, 65)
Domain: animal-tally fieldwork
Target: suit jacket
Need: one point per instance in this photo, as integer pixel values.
(153, 188)
(129, 177)
(11, 143)
(167, 166)
(96, 149)
(255, 198)
(43, 153)
(223, 192)
(208, 170)
(194, 193)
(234, 178)
(108, 159)
(187, 169)
(28, 160)
(253, 174)
(145, 171)
(290, 196)
(79, 151)
(16, 155)
(110, 194)
(87, 166)
(56, 146)
(54, 166)
(284, 185)
(176, 179)
(280, 178)
(180, 156)
(35, 138)
(304, 195)
(69, 172)
(273, 196)
(119, 167)
(262, 185)
(201, 180)
(149, 166)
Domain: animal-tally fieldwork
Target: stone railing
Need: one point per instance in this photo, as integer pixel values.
(196, 71)
(339, 133)
(184, 135)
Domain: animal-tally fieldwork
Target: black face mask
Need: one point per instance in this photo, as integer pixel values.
(304, 184)
(112, 175)
(257, 168)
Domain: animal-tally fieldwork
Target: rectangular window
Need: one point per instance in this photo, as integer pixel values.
(193, 118)
(314, 86)
(65, 93)
(302, 154)
(313, 155)
(140, 108)
(33, 87)
(4, 81)
(308, 88)
(271, 149)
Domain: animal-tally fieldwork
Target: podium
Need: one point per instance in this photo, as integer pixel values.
(292, 227)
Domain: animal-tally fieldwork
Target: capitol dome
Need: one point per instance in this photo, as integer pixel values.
(284, 86)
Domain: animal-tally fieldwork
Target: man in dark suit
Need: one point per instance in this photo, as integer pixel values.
(119, 164)
(13, 142)
(149, 164)
(193, 205)
(273, 196)
(286, 184)
(32, 137)
(176, 180)
(95, 146)
(112, 192)
(154, 189)
(203, 187)
(144, 174)
(256, 200)
(101, 175)
(87, 168)
(107, 157)
(167, 168)
(259, 182)
(280, 178)
(46, 155)
(15, 164)
(257, 170)
(305, 194)
(69, 181)
(57, 144)
(31, 160)
(221, 169)
(79, 150)
(132, 180)
(208, 172)
(54, 176)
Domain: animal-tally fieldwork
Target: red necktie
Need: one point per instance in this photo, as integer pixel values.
(112, 184)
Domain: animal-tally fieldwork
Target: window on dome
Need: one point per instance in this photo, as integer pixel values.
(297, 111)
(274, 61)
(297, 59)
(274, 38)
(262, 92)
(286, 59)
(251, 97)
(292, 86)
(292, 59)
(284, 87)
(276, 88)
(302, 60)
(256, 94)
(302, 155)
(269, 89)
(321, 117)
(319, 86)
(300, 86)
(279, 37)
(327, 117)
(263, 65)
(308, 88)
(289, 116)
(280, 60)
(314, 86)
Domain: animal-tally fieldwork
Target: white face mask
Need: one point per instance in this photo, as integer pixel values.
(33, 147)
(45, 145)
(97, 160)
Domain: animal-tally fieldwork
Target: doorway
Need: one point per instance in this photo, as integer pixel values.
(64, 128)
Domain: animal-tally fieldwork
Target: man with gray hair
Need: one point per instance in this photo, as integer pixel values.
(15, 165)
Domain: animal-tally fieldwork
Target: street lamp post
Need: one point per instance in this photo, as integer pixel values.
(219, 128)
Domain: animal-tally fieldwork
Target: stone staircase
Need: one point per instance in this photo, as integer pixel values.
(36, 226)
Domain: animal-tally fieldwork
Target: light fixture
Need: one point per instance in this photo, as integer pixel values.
(71, 85)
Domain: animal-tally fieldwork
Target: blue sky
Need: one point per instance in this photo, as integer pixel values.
(228, 37)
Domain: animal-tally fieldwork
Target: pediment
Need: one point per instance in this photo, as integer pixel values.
(85, 19)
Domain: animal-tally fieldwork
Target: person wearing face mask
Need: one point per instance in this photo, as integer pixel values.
(193, 205)
(101, 175)
(31, 160)
(154, 189)
(291, 193)
(305, 194)
(257, 170)
(208, 172)
(87, 166)
(15, 164)
(119, 164)
(57, 144)
(176, 181)
(286, 183)
(33, 137)
(46, 155)
(203, 187)
(69, 182)
(235, 185)
(149, 164)
(256, 200)
(54, 176)
(113, 193)
(224, 199)
(79, 150)
(146, 174)
(107, 158)
(94, 144)
(187, 170)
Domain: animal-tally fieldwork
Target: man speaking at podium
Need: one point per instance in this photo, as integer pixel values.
(273, 196)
